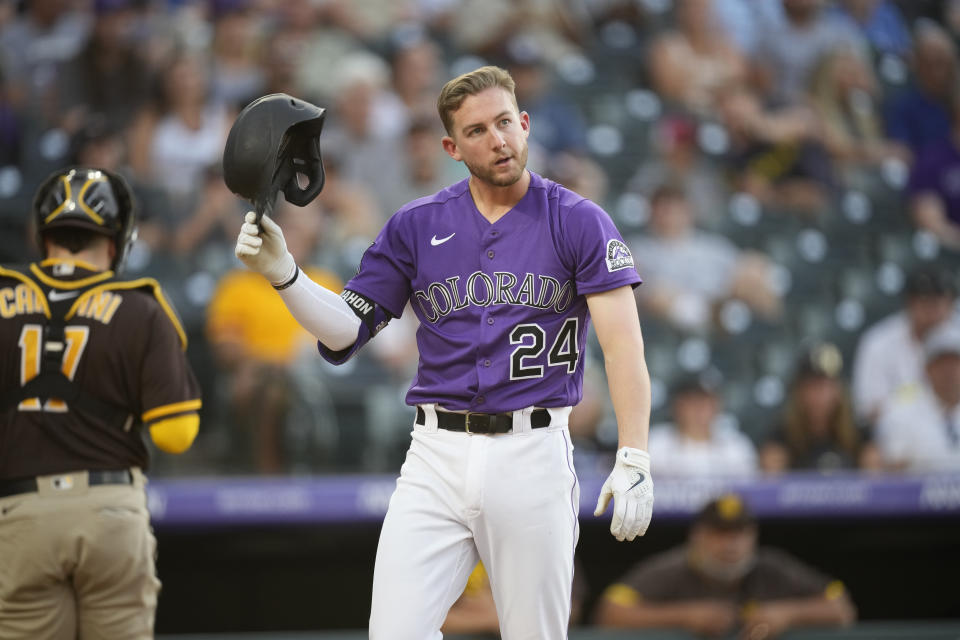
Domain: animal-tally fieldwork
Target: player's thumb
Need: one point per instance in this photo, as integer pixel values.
(602, 502)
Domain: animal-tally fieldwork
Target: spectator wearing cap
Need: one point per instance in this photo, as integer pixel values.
(919, 429)
(698, 442)
(818, 430)
(720, 582)
(890, 353)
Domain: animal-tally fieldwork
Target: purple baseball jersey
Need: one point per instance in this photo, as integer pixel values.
(503, 317)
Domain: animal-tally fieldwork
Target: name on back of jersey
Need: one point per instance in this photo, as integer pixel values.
(23, 300)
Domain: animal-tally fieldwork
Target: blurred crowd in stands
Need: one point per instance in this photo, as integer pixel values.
(787, 173)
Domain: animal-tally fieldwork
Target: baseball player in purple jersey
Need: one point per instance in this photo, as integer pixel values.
(504, 271)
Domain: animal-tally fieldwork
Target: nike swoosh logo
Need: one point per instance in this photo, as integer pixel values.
(435, 242)
(642, 478)
(62, 295)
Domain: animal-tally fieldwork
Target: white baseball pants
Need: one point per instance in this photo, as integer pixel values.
(510, 500)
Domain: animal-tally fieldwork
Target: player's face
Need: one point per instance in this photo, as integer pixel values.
(490, 137)
(723, 555)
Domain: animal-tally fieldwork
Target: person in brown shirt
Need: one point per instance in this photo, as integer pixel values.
(720, 583)
(91, 364)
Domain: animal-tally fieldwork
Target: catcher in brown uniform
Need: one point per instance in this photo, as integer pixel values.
(90, 362)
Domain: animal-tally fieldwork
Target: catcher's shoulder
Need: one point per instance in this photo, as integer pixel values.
(148, 299)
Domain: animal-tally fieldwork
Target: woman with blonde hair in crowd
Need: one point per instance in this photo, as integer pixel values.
(846, 99)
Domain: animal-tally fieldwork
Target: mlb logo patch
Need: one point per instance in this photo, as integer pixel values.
(618, 256)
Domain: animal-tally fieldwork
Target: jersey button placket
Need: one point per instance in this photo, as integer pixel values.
(484, 363)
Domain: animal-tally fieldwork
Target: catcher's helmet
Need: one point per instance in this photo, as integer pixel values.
(275, 138)
(87, 198)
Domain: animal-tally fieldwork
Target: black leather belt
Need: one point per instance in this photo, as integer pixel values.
(29, 485)
(483, 422)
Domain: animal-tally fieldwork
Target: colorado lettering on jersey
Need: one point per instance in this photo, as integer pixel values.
(480, 289)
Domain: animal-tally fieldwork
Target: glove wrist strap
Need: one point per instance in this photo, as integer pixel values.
(634, 457)
(283, 285)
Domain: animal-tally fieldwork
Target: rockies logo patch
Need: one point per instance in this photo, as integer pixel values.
(618, 256)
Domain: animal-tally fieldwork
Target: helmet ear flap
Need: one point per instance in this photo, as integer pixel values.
(302, 158)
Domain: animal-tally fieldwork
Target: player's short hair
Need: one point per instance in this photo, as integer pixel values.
(468, 84)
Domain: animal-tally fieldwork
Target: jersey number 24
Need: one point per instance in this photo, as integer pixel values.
(532, 340)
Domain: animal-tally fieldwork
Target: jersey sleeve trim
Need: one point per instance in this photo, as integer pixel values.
(623, 595)
(69, 284)
(175, 435)
(633, 283)
(171, 409)
(834, 590)
(9, 273)
(135, 284)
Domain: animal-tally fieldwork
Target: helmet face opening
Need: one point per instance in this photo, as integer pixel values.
(87, 198)
(300, 168)
(274, 145)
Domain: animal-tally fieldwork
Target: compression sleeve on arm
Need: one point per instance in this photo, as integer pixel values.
(322, 312)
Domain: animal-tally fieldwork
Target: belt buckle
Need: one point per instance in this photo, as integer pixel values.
(466, 421)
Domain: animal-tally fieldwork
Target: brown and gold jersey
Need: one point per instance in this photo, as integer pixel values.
(122, 343)
(670, 577)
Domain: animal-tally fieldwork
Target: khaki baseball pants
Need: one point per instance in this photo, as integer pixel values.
(77, 561)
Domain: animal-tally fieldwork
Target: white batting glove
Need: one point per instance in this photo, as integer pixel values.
(265, 251)
(631, 488)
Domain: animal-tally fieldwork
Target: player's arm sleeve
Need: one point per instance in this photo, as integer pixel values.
(379, 291)
(323, 313)
(600, 258)
(170, 394)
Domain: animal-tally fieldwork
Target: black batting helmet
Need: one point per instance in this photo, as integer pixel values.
(275, 138)
(87, 198)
